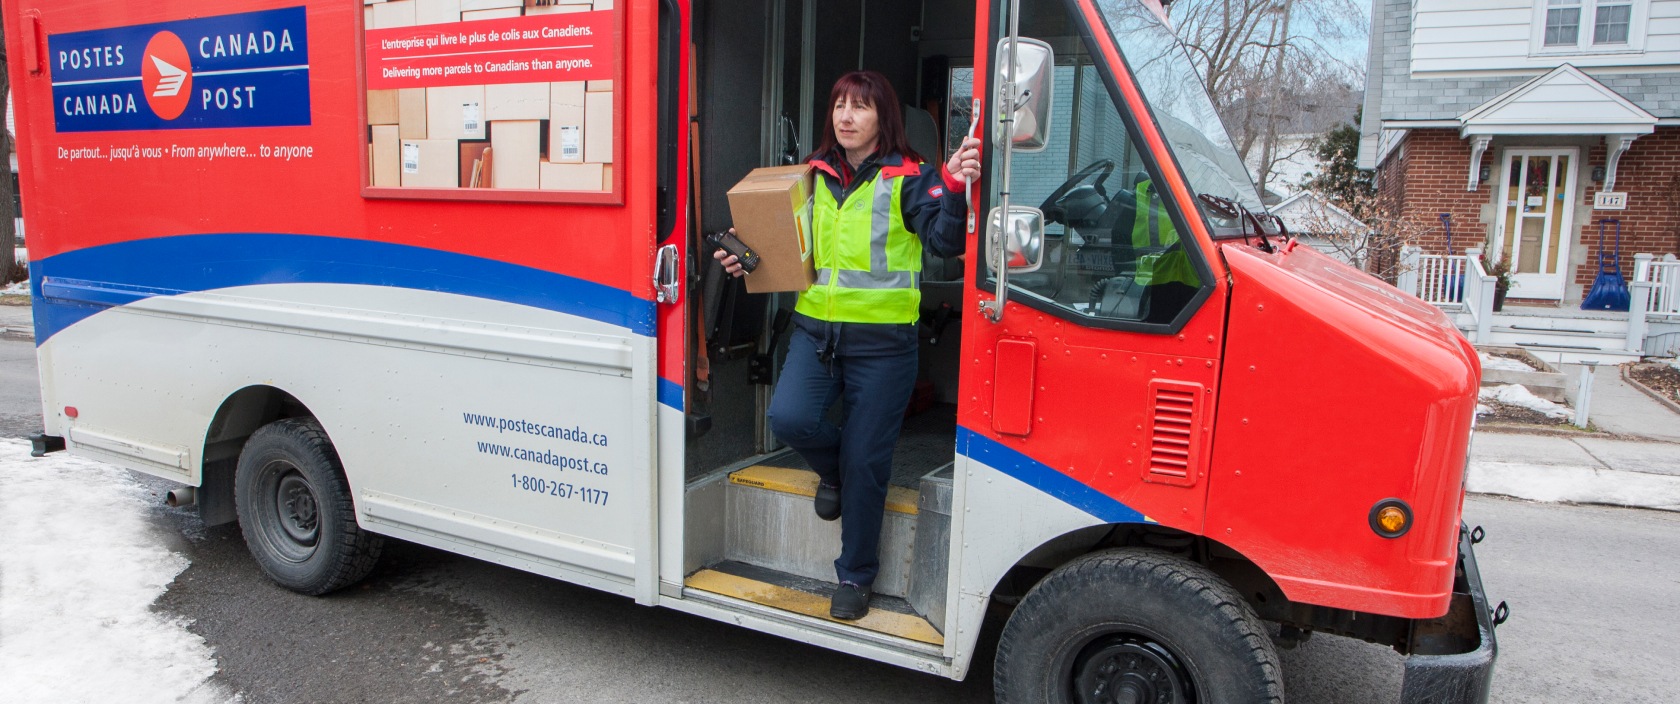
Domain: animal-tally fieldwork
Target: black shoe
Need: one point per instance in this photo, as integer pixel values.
(850, 602)
(828, 502)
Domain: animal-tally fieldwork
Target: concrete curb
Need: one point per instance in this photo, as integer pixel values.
(17, 333)
(1627, 376)
(1574, 484)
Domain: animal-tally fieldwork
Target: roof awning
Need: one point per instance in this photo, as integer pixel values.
(1562, 102)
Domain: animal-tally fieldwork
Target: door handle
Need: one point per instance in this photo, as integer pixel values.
(667, 284)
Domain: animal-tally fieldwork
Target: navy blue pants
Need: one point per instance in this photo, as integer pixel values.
(856, 455)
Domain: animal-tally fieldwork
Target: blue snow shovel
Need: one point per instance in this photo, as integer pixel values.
(1452, 282)
(1609, 291)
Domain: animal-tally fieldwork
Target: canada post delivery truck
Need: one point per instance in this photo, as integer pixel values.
(430, 270)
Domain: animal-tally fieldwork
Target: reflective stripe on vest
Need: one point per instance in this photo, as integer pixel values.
(867, 262)
(1153, 229)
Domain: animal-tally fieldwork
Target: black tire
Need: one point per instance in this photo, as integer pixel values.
(296, 512)
(1119, 623)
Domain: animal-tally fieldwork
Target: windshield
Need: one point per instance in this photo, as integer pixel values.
(1181, 106)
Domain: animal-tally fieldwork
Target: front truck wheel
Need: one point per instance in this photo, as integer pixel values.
(1135, 627)
(295, 510)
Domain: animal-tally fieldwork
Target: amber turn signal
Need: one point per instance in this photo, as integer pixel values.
(1391, 518)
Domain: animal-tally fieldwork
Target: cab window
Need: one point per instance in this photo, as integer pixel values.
(1113, 247)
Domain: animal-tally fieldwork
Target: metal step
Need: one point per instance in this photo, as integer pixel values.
(771, 524)
(809, 597)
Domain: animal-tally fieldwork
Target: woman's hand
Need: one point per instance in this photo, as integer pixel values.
(965, 163)
(730, 262)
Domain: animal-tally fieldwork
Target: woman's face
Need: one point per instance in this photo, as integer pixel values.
(855, 125)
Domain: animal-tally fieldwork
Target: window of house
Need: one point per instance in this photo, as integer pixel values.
(1584, 26)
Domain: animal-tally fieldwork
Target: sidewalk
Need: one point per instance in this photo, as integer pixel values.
(16, 321)
(1641, 468)
(1577, 469)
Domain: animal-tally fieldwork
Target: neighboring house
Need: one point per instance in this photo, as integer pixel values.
(1513, 115)
(1319, 224)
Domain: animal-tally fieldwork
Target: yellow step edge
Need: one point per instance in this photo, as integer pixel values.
(907, 626)
(803, 482)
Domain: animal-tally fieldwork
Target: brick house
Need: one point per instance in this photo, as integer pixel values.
(1512, 116)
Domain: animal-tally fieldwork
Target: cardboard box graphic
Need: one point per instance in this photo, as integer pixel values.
(455, 112)
(517, 149)
(489, 4)
(387, 156)
(771, 208)
(472, 163)
(489, 14)
(556, 9)
(565, 122)
(516, 101)
(437, 11)
(411, 112)
(430, 163)
(383, 107)
(598, 128)
(571, 177)
(393, 14)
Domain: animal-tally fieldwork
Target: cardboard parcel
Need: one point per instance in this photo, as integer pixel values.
(772, 212)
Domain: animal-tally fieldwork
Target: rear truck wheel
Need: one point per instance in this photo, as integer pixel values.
(295, 510)
(1134, 626)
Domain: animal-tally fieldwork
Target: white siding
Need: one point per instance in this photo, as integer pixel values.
(1467, 37)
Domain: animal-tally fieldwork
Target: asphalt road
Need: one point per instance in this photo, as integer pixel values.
(1592, 592)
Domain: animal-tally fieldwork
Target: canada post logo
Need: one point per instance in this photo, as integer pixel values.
(244, 70)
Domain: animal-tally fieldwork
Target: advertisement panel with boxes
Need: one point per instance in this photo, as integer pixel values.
(492, 99)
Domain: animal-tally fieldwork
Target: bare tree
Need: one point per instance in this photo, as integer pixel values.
(1272, 69)
(1372, 244)
(8, 211)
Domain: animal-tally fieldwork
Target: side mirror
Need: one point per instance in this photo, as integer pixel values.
(1034, 63)
(1020, 243)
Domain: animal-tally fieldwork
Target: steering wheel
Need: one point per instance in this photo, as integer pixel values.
(1100, 168)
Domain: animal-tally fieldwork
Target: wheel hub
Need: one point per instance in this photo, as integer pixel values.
(299, 512)
(1130, 669)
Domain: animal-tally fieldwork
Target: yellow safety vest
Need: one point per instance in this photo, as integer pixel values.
(867, 264)
(1153, 229)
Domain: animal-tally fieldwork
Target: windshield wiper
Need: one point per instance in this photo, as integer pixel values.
(1234, 210)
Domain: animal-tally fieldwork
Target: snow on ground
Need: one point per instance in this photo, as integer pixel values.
(79, 572)
(20, 288)
(1519, 395)
(1503, 363)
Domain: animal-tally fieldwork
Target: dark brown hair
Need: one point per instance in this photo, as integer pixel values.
(872, 88)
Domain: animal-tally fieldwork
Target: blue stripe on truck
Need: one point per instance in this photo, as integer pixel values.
(77, 284)
(1044, 478)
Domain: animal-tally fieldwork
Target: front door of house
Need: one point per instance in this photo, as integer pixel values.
(1536, 216)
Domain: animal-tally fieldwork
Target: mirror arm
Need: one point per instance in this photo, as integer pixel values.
(992, 310)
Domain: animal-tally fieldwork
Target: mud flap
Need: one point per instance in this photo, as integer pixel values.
(1452, 656)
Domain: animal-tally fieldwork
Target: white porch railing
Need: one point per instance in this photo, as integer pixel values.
(1478, 295)
(1654, 292)
(1663, 275)
(1435, 278)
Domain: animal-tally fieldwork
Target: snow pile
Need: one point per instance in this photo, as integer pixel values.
(20, 288)
(79, 572)
(1519, 395)
(1675, 363)
(1502, 363)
